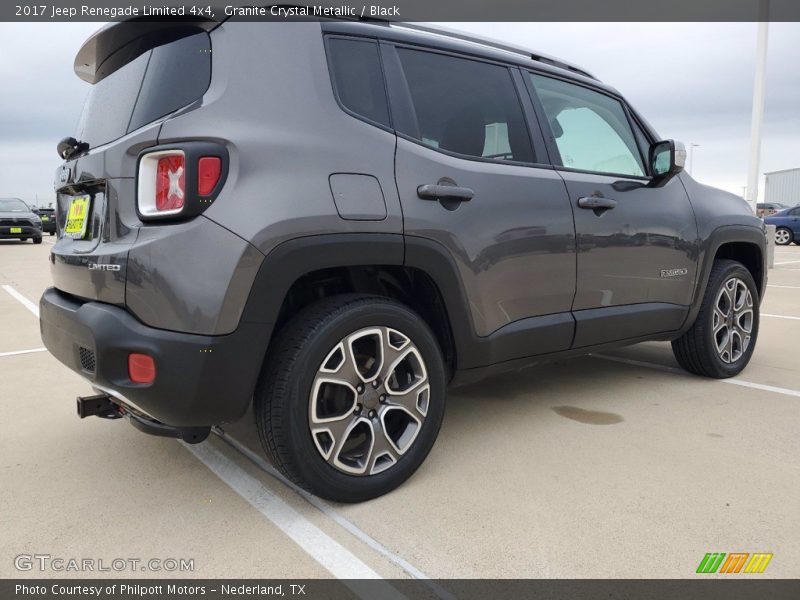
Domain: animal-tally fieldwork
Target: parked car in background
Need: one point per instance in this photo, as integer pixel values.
(766, 209)
(18, 221)
(787, 223)
(48, 217)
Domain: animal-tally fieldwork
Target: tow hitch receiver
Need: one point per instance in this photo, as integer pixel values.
(104, 407)
(97, 406)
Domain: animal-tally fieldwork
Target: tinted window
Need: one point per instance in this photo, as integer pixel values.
(108, 106)
(591, 130)
(178, 74)
(465, 106)
(795, 212)
(358, 78)
(153, 85)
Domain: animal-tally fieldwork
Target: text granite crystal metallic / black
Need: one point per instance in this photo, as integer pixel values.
(339, 235)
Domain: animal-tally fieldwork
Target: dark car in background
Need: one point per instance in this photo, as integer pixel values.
(48, 217)
(18, 221)
(767, 209)
(787, 223)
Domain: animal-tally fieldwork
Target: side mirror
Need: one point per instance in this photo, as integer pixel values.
(667, 158)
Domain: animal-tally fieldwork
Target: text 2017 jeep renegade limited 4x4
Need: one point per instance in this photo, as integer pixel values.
(336, 221)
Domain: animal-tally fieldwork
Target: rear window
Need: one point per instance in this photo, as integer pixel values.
(153, 85)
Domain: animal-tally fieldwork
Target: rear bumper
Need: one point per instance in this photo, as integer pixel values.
(200, 380)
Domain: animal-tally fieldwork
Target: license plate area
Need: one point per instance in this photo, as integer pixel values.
(78, 217)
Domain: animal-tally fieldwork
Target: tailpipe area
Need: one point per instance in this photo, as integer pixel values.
(103, 406)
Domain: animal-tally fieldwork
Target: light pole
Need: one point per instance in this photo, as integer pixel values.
(758, 104)
(692, 146)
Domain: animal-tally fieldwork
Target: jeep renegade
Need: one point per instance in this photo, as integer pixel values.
(335, 221)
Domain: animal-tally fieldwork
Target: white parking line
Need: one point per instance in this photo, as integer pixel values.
(23, 352)
(788, 262)
(780, 317)
(22, 300)
(328, 511)
(337, 559)
(785, 287)
(731, 381)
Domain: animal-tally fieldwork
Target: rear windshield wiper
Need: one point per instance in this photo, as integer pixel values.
(69, 147)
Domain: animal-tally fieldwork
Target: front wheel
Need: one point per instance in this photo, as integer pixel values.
(353, 398)
(723, 337)
(37, 240)
(783, 236)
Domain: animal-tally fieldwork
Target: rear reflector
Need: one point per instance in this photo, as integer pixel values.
(170, 182)
(208, 170)
(141, 368)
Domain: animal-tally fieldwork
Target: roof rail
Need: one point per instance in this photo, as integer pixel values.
(476, 39)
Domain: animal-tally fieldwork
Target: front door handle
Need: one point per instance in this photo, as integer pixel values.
(444, 192)
(596, 203)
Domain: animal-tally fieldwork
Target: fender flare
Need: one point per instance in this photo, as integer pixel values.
(724, 235)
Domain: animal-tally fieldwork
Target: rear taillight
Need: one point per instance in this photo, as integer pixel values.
(208, 170)
(180, 181)
(170, 182)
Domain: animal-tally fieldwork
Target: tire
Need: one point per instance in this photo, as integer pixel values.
(702, 351)
(37, 240)
(52, 233)
(310, 377)
(783, 236)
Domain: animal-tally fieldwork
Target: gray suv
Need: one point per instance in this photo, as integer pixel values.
(336, 221)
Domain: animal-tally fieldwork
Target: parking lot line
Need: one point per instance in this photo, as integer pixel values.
(337, 559)
(23, 352)
(788, 262)
(785, 287)
(780, 316)
(731, 381)
(22, 300)
(328, 511)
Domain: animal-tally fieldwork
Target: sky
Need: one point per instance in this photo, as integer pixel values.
(692, 82)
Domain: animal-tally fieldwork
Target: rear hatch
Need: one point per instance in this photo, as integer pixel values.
(140, 74)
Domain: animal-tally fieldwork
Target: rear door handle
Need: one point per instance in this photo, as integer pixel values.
(596, 203)
(444, 192)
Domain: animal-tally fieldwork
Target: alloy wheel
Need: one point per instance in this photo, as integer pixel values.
(782, 237)
(368, 401)
(732, 320)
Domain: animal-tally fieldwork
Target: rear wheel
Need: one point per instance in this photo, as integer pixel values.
(723, 337)
(353, 398)
(783, 236)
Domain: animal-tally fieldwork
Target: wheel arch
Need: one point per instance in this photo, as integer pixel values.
(742, 243)
(416, 273)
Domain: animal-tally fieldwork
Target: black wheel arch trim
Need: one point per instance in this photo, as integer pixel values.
(725, 234)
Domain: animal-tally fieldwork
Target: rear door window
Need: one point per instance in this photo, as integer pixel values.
(465, 106)
(358, 78)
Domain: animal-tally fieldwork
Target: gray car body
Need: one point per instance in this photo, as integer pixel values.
(311, 188)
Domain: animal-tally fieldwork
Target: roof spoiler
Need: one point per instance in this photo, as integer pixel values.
(115, 45)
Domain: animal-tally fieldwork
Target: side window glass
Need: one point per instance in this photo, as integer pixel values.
(358, 78)
(465, 106)
(591, 130)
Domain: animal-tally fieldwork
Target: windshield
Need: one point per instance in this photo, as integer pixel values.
(13, 205)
